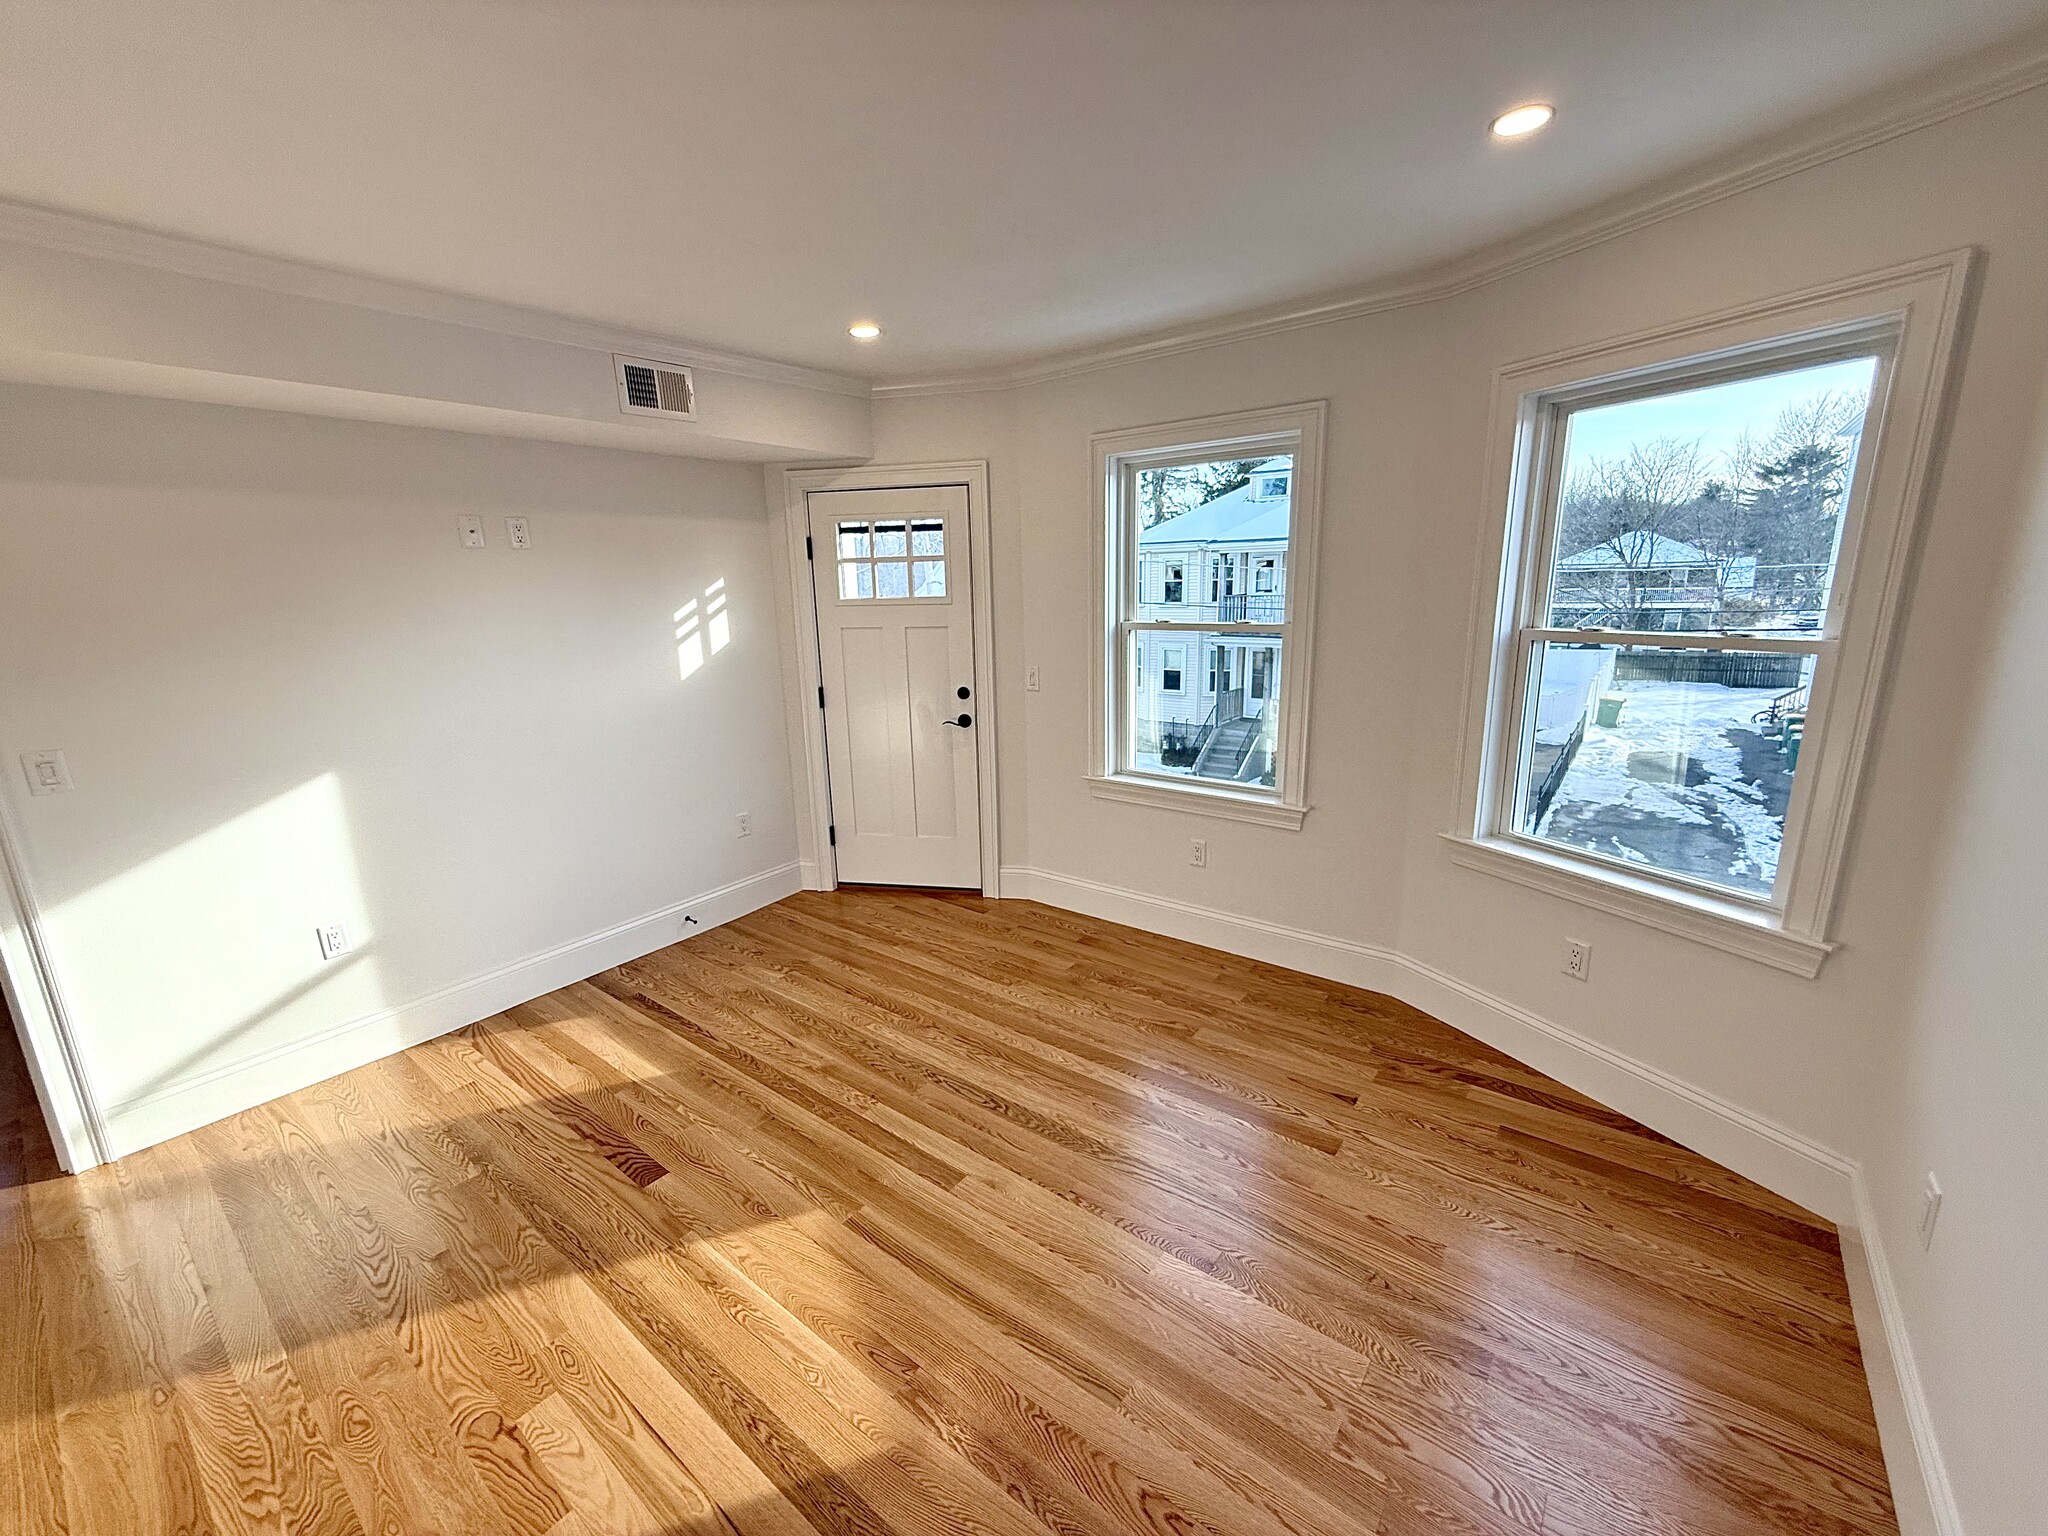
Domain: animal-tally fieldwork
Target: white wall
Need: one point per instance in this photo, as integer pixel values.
(1967, 1090)
(1408, 392)
(288, 696)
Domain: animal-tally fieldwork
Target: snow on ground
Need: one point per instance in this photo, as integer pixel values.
(1723, 820)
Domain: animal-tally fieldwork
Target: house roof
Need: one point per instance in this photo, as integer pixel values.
(1232, 518)
(1637, 550)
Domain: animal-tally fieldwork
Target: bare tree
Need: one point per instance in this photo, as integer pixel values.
(1166, 493)
(1630, 505)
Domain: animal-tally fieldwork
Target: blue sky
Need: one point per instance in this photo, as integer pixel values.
(1716, 414)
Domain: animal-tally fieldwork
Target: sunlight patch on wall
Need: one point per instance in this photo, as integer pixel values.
(701, 620)
(209, 953)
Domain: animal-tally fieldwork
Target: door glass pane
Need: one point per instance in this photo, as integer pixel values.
(928, 578)
(856, 579)
(1675, 760)
(1715, 509)
(1202, 527)
(892, 577)
(1209, 723)
(853, 541)
(890, 539)
(927, 538)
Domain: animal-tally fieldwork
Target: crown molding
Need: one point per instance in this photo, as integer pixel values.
(1980, 81)
(79, 235)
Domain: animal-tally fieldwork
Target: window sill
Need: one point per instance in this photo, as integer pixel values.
(1723, 925)
(1203, 801)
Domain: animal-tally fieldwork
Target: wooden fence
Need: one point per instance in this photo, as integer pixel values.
(1731, 669)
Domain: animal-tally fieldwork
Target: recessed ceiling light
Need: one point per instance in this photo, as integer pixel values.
(1517, 121)
(867, 330)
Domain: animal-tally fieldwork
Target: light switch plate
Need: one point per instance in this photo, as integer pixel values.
(48, 773)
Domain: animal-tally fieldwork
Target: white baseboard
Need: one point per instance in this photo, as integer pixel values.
(1779, 1159)
(205, 1097)
(1921, 1489)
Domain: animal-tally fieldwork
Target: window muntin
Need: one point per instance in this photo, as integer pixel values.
(1709, 509)
(1222, 524)
(891, 559)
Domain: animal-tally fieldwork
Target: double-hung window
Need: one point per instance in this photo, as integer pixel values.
(1232, 503)
(1701, 558)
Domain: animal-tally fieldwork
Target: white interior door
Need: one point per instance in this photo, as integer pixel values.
(889, 574)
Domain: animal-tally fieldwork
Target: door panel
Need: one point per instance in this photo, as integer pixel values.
(890, 578)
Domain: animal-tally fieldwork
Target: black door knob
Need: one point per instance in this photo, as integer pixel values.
(965, 691)
(962, 721)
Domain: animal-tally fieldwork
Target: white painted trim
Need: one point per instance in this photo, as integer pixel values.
(1921, 1489)
(203, 1097)
(1911, 315)
(1198, 798)
(1297, 429)
(1725, 926)
(800, 652)
(78, 1128)
(1780, 1159)
(1981, 81)
(52, 229)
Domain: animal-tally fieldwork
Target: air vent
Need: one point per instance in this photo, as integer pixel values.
(648, 388)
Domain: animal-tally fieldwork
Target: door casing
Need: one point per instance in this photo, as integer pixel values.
(800, 655)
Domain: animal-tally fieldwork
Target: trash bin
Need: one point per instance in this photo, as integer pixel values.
(1607, 714)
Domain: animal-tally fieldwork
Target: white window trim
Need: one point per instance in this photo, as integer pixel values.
(1918, 309)
(1295, 429)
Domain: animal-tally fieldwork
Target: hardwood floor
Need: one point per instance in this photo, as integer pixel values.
(897, 1213)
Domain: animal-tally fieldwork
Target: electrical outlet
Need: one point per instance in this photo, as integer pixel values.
(1031, 679)
(472, 531)
(745, 825)
(1930, 1209)
(1198, 852)
(333, 941)
(517, 533)
(1578, 959)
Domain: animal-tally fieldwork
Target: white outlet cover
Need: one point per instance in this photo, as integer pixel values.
(48, 773)
(518, 533)
(1578, 959)
(333, 941)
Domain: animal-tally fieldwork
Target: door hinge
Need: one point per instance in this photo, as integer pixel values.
(809, 552)
(821, 696)
(832, 836)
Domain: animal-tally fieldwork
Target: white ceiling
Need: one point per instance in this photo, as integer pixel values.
(992, 180)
